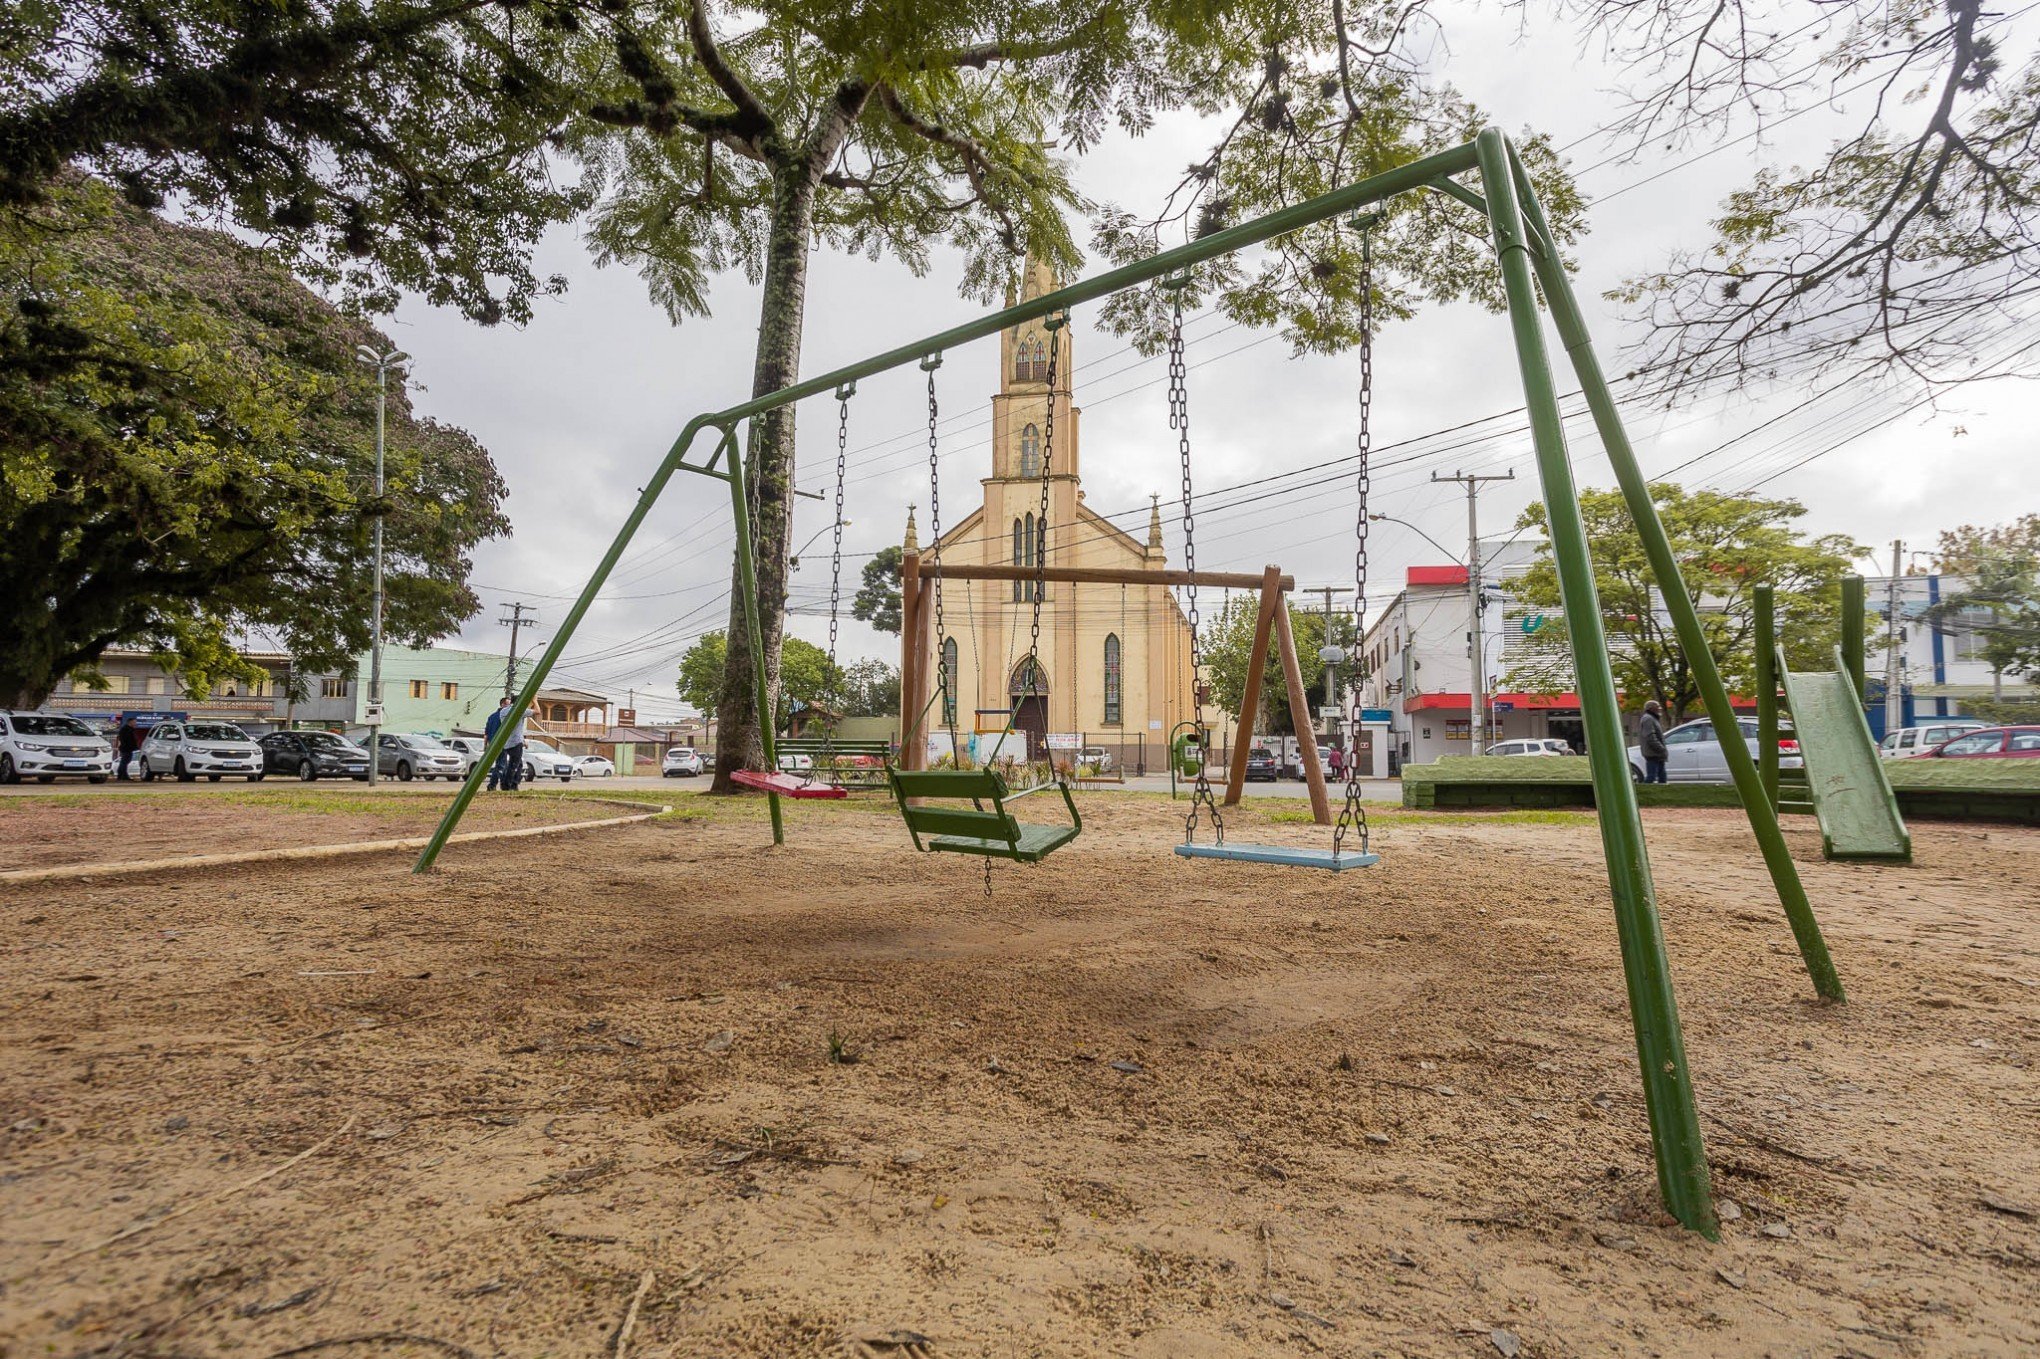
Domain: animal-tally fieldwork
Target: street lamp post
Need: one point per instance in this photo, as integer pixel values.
(383, 364)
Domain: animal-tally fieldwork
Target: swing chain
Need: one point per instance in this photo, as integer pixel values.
(1179, 420)
(1040, 545)
(928, 366)
(1354, 815)
(827, 761)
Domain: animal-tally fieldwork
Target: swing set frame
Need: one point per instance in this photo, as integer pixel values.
(1528, 257)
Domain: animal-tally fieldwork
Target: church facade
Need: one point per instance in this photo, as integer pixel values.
(1115, 666)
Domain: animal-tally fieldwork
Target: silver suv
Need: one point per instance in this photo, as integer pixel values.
(409, 755)
(49, 746)
(185, 750)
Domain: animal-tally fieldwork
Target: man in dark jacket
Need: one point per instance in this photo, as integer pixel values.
(1651, 734)
(495, 721)
(127, 741)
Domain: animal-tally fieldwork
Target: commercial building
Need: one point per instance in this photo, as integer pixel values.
(1941, 661)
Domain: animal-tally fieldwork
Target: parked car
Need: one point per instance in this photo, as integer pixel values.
(541, 761)
(1991, 743)
(185, 750)
(1261, 765)
(313, 755)
(1693, 755)
(470, 748)
(408, 755)
(1097, 757)
(49, 746)
(1324, 762)
(681, 762)
(594, 767)
(795, 762)
(1908, 742)
(1544, 745)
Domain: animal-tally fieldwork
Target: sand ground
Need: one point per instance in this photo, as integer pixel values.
(1128, 1105)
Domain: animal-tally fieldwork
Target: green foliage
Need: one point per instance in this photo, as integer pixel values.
(870, 689)
(186, 452)
(878, 598)
(2000, 573)
(1227, 645)
(1725, 545)
(381, 144)
(805, 674)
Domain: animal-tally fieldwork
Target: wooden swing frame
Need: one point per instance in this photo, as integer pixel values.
(1271, 627)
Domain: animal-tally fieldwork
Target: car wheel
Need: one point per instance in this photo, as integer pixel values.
(148, 774)
(307, 771)
(95, 778)
(403, 771)
(530, 773)
(183, 775)
(258, 776)
(1635, 774)
(7, 771)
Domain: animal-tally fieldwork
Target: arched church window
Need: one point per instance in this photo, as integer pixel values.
(1030, 360)
(1112, 689)
(1030, 453)
(1019, 552)
(949, 681)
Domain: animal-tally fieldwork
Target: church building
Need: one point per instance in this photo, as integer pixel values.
(1115, 658)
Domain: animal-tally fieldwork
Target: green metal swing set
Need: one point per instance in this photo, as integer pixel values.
(1529, 261)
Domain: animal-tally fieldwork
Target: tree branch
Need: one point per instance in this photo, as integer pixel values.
(749, 106)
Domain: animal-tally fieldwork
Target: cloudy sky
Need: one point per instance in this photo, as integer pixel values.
(581, 404)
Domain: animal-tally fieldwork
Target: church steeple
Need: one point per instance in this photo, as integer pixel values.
(912, 542)
(1154, 542)
(1022, 429)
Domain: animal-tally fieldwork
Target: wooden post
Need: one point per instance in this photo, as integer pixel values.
(1300, 718)
(911, 738)
(1250, 701)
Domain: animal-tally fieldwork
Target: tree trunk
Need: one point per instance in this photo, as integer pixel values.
(768, 462)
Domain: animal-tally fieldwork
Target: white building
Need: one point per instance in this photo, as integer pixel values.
(1940, 663)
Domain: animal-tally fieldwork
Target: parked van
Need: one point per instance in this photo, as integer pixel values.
(1907, 742)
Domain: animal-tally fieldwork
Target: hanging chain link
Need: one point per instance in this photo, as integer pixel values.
(1053, 324)
(948, 700)
(1201, 798)
(827, 762)
(1354, 815)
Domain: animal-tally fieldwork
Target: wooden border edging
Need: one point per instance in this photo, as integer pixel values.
(63, 872)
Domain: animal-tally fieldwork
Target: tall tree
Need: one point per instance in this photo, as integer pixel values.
(871, 689)
(886, 130)
(380, 144)
(809, 676)
(1998, 598)
(1725, 546)
(878, 596)
(1227, 645)
(186, 443)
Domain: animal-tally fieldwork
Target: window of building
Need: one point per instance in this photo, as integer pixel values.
(418, 688)
(1030, 452)
(1030, 360)
(158, 684)
(333, 686)
(449, 691)
(116, 684)
(949, 679)
(1112, 680)
(1461, 730)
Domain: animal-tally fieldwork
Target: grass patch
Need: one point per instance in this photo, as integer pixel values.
(1388, 813)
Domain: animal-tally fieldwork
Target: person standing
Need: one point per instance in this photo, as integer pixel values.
(1651, 739)
(489, 734)
(127, 740)
(1338, 763)
(513, 748)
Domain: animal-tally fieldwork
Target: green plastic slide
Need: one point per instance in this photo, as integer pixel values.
(1851, 797)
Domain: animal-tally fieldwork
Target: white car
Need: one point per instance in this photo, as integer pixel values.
(1908, 742)
(1693, 755)
(470, 748)
(795, 762)
(186, 750)
(409, 755)
(541, 761)
(49, 746)
(681, 762)
(594, 767)
(1544, 745)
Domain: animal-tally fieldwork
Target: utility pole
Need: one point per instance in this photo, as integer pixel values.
(1894, 674)
(1477, 705)
(383, 364)
(1327, 652)
(515, 622)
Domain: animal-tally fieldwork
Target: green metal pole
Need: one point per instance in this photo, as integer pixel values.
(675, 458)
(1852, 632)
(1664, 567)
(1761, 602)
(747, 576)
(1660, 1044)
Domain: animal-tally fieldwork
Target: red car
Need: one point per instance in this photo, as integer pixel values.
(1991, 743)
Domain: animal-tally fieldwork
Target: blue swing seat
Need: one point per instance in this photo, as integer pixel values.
(1283, 855)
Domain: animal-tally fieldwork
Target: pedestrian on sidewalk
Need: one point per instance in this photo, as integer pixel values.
(489, 734)
(127, 741)
(1651, 739)
(513, 749)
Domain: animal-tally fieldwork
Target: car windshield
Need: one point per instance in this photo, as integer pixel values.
(423, 743)
(29, 724)
(326, 740)
(541, 747)
(214, 731)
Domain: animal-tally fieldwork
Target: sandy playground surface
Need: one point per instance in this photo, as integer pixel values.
(1129, 1105)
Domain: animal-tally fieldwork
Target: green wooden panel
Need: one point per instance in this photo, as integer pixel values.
(956, 783)
(1035, 843)
(955, 821)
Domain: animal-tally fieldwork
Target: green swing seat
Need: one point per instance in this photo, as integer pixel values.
(993, 834)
